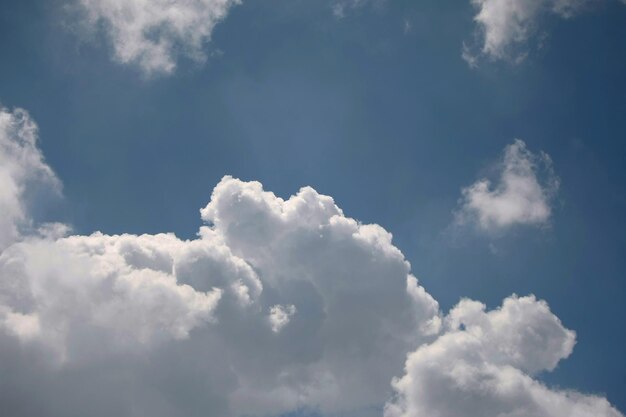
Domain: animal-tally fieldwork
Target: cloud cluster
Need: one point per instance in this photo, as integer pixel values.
(482, 366)
(154, 34)
(522, 195)
(506, 25)
(277, 305)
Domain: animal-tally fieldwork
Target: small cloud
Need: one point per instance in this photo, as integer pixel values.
(522, 194)
(339, 10)
(341, 7)
(280, 316)
(153, 35)
(504, 27)
(469, 57)
(407, 28)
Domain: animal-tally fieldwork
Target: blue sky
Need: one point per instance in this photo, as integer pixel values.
(376, 108)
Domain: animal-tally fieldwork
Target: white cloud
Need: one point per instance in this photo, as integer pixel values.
(154, 34)
(522, 195)
(277, 305)
(505, 26)
(482, 366)
(83, 298)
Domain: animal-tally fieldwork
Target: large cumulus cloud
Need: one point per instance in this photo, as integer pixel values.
(277, 305)
(307, 307)
(294, 303)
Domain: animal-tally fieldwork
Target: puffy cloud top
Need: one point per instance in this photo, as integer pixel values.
(482, 366)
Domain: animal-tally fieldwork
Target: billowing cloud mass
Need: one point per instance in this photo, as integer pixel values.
(522, 194)
(505, 26)
(155, 34)
(277, 305)
(286, 303)
(482, 366)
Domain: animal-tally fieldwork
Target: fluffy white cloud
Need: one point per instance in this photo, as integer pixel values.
(506, 25)
(154, 33)
(482, 366)
(277, 305)
(521, 196)
(121, 285)
(358, 308)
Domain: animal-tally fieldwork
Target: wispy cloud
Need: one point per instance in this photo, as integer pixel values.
(22, 170)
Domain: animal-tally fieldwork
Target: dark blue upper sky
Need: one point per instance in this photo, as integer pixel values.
(391, 123)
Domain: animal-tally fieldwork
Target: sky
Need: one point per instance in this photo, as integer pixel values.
(313, 208)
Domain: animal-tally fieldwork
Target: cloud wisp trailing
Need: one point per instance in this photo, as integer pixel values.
(522, 194)
(22, 169)
(153, 35)
(277, 305)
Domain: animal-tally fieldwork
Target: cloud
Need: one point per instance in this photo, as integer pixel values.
(23, 173)
(291, 303)
(276, 306)
(154, 34)
(280, 315)
(85, 298)
(483, 366)
(522, 195)
(505, 26)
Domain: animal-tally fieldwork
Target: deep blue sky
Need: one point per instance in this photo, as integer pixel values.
(391, 124)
